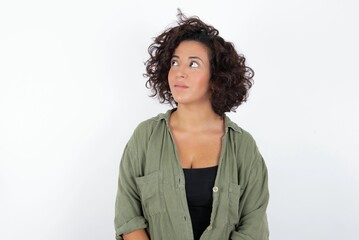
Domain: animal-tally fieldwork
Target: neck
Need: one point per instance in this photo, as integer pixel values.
(195, 118)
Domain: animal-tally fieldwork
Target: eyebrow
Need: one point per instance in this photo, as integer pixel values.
(190, 57)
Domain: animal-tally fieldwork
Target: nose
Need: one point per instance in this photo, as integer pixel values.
(181, 72)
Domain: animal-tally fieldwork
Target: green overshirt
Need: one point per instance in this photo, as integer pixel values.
(151, 187)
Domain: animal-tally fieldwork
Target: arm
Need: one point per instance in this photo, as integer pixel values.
(128, 208)
(253, 223)
(136, 235)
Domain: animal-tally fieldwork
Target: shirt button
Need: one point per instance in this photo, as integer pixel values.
(209, 227)
(215, 189)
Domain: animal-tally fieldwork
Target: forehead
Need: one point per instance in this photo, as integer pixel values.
(191, 48)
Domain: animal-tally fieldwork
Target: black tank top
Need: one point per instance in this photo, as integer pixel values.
(199, 184)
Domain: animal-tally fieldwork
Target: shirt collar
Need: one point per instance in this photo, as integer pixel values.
(228, 123)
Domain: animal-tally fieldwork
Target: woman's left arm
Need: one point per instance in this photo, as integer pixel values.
(253, 223)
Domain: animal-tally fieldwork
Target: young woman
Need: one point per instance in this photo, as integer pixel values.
(192, 173)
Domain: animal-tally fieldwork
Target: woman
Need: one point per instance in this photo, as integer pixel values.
(192, 173)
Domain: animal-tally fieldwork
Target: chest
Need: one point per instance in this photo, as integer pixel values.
(198, 150)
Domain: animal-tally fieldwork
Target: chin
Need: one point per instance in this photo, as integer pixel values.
(181, 100)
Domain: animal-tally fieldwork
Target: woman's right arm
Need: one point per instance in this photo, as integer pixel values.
(129, 220)
(136, 235)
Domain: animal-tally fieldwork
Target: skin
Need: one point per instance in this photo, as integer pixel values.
(189, 74)
(197, 130)
(136, 235)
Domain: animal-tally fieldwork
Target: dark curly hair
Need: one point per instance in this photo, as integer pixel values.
(230, 77)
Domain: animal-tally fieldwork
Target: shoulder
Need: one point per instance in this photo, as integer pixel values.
(152, 122)
(244, 146)
(238, 134)
(146, 129)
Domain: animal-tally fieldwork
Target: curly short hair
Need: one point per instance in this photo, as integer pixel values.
(230, 79)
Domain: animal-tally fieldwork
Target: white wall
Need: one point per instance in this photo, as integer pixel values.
(72, 91)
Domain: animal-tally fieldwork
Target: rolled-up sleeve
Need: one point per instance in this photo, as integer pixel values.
(128, 209)
(253, 223)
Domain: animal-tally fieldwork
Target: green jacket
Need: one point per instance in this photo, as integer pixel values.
(151, 187)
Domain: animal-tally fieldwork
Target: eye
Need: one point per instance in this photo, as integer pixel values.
(194, 64)
(174, 62)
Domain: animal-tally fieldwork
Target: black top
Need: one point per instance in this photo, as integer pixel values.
(199, 184)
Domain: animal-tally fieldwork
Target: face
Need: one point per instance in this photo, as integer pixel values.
(189, 75)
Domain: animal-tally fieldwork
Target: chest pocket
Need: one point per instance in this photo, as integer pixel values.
(151, 191)
(234, 194)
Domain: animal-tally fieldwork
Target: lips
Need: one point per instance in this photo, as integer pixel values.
(180, 86)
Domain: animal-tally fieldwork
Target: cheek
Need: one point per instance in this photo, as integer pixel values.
(204, 81)
(170, 76)
(170, 79)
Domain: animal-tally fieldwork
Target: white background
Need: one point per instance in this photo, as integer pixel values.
(72, 91)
